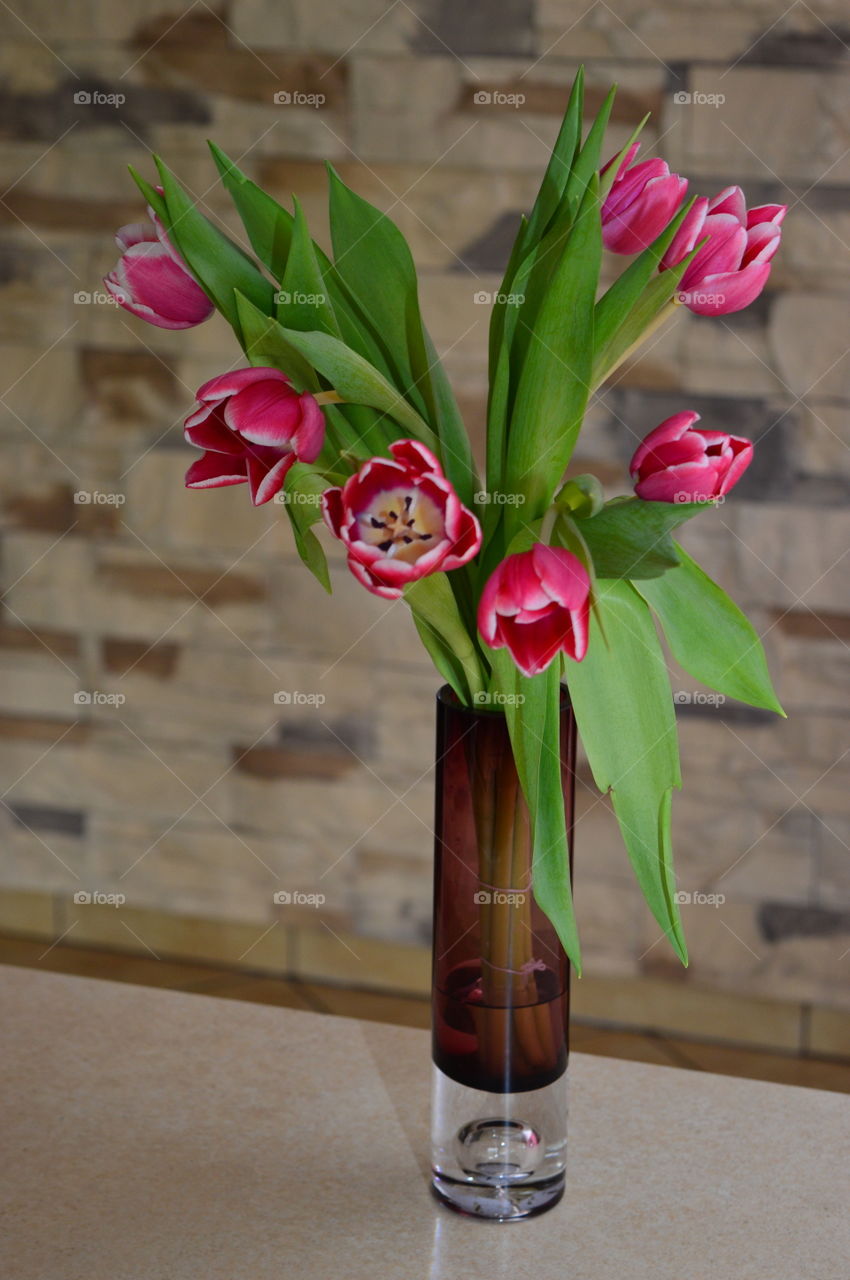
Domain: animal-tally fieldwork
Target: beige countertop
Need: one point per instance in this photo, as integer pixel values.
(150, 1135)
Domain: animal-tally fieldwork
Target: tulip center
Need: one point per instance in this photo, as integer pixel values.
(402, 523)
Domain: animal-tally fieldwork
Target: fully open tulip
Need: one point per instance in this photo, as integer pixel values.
(730, 271)
(640, 204)
(537, 605)
(151, 279)
(253, 426)
(400, 520)
(676, 463)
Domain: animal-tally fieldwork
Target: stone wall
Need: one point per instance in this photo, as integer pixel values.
(203, 794)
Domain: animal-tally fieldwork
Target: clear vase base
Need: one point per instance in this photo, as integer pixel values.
(498, 1156)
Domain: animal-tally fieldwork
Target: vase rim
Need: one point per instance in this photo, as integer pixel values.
(447, 697)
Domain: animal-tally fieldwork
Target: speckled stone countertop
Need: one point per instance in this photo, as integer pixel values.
(150, 1135)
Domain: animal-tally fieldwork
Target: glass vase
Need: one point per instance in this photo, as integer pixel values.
(500, 979)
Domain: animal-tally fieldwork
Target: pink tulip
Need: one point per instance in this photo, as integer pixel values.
(253, 426)
(730, 271)
(400, 520)
(675, 463)
(640, 204)
(151, 279)
(537, 604)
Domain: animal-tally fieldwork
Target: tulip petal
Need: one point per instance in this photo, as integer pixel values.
(722, 294)
(309, 435)
(672, 428)
(264, 480)
(236, 380)
(211, 472)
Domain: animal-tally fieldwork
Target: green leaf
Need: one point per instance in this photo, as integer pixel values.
(614, 307)
(266, 344)
(220, 265)
(582, 495)
(709, 635)
(358, 381)
(303, 487)
(559, 167)
(555, 380)
(435, 611)
(455, 448)
(624, 710)
(372, 258)
(587, 162)
(630, 538)
(302, 302)
(268, 225)
(532, 707)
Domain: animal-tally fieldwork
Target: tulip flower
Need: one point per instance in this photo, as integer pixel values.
(676, 463)
(152, 281)
(252, 425)
(640, 204)
(731, 269)
(400, 520)
(537, 604)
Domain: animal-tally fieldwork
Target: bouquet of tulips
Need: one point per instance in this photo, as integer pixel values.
(521, 575)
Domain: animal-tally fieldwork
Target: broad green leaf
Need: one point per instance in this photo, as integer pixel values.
(372, 257)
(302, 301)
(630, 538)
(532, 713)
(624, 710)
(266, 344)
(433, 604)
(559, 167)
(219, 264)
(303, 487)
(268, 225)
(709, 635)
(358, 381)
(555, 380)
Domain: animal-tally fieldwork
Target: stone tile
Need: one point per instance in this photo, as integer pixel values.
(362, 962)
(367, 25)
(26, 912)
(762, 128)
(829, 1032)
(833, 861)
(685, 1008)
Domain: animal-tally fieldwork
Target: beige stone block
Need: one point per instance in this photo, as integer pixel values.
(686, 1008)
(833, 860)
(27, 912)
(824, 441)
(38, 684)
(262, 947)
(322, 955)
(829, 1032)
(809, 570)
(806, 335)
(774, 121)
(399, 108)
(361, 25)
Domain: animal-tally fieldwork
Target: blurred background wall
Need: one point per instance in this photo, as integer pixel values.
(201, 795)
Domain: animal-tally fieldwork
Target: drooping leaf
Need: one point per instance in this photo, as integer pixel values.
(630, 538)
(266, 344)
(624, 710)
(532, 710)
(303, 487)
(709, 635)
(436, 613)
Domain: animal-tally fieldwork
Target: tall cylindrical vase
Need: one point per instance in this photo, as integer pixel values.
(500, 979)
